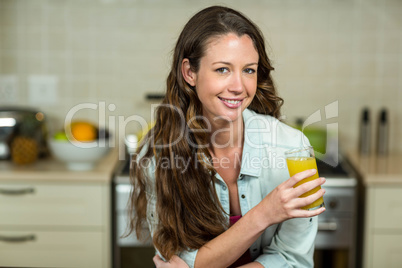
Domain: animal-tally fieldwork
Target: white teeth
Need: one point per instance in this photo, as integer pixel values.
(231, 101)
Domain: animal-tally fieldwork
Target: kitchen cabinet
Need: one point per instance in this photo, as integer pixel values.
(382, 181)
(383, 226)
(56, 217)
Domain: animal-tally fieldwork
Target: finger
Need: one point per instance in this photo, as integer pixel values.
(178, 262)
(300, 176)
(308, 186)
(175, 258)
(157, 260)
(301, 201)
(302, 213)
(304, 201)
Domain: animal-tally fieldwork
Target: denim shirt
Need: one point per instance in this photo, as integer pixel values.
(263, 167)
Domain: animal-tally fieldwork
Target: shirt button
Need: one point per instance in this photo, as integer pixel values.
(243, 196)
(224, 187)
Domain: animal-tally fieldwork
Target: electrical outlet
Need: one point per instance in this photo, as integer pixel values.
(42, 89)
(8, 89)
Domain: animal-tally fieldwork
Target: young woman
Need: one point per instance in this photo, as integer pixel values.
(210, 178)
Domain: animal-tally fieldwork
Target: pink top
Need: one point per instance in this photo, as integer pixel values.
(246, 257)
(234, 219)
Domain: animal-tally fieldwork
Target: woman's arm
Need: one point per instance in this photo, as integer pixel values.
(252, 265)
(281, 204)
(174, 262)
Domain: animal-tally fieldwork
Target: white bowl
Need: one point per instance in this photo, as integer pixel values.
(78, 155)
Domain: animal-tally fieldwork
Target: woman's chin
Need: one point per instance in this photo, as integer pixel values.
(228, 117)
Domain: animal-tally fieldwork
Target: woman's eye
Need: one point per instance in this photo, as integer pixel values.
(249, 70)
(222, 70)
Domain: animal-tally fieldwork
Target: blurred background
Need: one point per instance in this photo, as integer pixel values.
(338, 65)
(55, 54)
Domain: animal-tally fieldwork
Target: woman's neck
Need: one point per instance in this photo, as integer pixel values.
(226, 135)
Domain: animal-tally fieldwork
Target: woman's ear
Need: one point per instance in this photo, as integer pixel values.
(187, 73)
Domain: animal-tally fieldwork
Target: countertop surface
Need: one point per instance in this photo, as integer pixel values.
(49, 169)
(378, 170)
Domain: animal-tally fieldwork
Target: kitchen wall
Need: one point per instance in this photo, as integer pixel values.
(112, 52)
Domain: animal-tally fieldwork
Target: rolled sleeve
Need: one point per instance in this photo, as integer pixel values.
(189, 257)
(292, 246)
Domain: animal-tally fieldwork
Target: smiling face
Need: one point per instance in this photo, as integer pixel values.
(226, 81)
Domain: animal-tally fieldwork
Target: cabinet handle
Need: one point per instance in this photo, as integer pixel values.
(17, 191)
(327, 226)
(17, 239)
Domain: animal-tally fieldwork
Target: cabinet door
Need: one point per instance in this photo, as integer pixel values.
(51, 249)
(387, 208)
(51, 205)
(387, 251)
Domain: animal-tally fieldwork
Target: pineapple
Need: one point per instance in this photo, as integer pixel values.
(24, 146)
(24, 150)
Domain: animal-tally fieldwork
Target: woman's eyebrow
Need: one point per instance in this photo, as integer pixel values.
(253, 63)
(228, 63)
(222, 62)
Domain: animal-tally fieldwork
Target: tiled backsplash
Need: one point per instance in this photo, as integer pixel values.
(116, 51)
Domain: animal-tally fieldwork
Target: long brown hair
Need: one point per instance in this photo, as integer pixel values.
(188, 209)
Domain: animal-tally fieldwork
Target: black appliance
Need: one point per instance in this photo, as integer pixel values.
(16, 121)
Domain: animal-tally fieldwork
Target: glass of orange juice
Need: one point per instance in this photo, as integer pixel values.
(301, 159)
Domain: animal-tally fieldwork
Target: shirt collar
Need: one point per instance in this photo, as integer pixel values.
(251, 157)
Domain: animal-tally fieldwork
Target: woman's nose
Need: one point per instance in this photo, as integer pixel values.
(236, 83)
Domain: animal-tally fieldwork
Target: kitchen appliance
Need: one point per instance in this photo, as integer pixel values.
(336, 238)
(336, 241)
(128, 251)
(365, 133)
(13, 120)
(382, 133)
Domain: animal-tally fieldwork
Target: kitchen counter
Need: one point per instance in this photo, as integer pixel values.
(378, 170)
(53, 216)
(381, 178)
(49, 169)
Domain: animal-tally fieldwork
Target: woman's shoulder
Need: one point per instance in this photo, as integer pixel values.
(273, 130)
(264, 121)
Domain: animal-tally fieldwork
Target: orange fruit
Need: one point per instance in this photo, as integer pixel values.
(83, 131)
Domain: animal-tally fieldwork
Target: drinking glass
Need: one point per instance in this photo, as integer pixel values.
(301, 159)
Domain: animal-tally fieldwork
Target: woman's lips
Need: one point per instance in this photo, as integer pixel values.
(232, 103)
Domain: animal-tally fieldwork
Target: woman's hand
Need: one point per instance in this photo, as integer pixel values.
(283, 202)
(174, 262)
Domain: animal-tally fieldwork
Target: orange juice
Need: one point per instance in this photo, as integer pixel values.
(299, 164)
